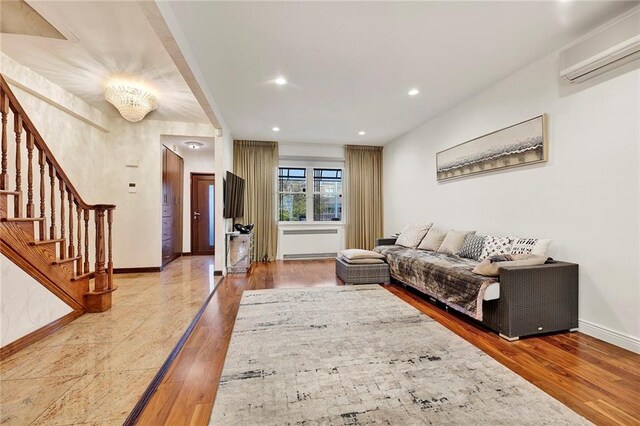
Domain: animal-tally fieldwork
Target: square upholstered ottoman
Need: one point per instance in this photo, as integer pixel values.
(376, 273)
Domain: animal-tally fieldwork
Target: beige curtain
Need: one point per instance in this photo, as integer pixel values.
(363, 170)
(257, 163)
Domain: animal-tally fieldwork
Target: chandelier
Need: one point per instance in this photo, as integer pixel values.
(132, 99)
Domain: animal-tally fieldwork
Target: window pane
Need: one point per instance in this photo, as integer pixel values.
(327, 207)
(293, 207)
(327, 181)
(292, 180)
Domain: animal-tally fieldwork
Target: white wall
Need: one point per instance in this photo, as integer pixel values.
(137, 224)
(586, 198)
(25, 305)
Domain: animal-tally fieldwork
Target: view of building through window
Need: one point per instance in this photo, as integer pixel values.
(323, 203)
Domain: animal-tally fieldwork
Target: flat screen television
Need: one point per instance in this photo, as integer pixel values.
(233, 196)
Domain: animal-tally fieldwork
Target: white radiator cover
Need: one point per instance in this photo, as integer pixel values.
(310, 241)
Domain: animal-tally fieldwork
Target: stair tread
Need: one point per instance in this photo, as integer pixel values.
(41, 242)
(21, 219)
(66, 260)
(3, 192)
(83, 276)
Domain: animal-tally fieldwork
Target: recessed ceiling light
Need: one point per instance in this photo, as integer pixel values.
(362, 133)
(276, 129)
(194, 144)
(413, 92)
(281, 81)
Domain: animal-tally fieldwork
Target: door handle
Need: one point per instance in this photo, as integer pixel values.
(195, 215)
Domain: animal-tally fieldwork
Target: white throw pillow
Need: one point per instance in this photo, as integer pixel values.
(453, 242)
(412, 234)
(434, 238)
(496, 245)
(353, 254)
(530, 246)
(490, 266)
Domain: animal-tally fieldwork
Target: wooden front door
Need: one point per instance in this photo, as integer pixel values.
(202, 211)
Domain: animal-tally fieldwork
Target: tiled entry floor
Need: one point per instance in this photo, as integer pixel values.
(95, 369)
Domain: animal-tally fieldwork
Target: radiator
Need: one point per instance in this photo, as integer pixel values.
(310, 243)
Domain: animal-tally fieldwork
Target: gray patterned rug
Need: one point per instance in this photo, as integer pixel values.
(358, 356)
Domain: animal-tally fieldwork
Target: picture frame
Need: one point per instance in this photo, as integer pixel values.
(520, 144)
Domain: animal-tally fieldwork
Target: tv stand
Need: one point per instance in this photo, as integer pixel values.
(239, 252)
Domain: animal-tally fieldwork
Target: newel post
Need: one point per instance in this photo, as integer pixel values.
(102, 282)
(99, 300)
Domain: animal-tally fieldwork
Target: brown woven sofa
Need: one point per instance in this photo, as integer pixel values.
(532, 299)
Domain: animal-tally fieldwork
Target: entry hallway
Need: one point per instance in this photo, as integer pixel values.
(96, 368)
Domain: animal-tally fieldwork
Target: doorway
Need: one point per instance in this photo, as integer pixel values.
(202, 213)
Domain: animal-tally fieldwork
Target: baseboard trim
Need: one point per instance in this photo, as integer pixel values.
(610, 336)
(137, 270)
(186, 253)
(38, 334)
(157, 379)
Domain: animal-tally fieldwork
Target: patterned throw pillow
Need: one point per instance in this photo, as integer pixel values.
(412, 234)
(472, 247)
(496, 245)
(530, 246)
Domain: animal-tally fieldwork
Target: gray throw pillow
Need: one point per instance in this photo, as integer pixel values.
(472, 247)
(412, 234)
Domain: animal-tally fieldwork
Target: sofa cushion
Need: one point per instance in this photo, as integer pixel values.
(367, 261)
(354, 254)
(412, 234)
(472, 246)
(452, 243)
(496, 245)
(530, 246)
(490, 267)
(433, 239)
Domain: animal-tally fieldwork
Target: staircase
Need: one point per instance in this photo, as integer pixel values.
(46, 228)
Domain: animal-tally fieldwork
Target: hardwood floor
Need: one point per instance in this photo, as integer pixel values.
(597, 380)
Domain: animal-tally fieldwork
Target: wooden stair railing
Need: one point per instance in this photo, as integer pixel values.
(75, 244)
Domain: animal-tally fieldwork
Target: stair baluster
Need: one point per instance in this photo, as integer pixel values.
(17, 128)
(71, 247)
(52, 181)
(4, 109)
(63, 251)
(79, 237)
(41, 226)
(86, 268)
(30, 144)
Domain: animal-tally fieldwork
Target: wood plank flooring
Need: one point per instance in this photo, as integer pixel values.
(597, 380)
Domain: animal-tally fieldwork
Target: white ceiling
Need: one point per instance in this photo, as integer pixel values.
(350, 64)
(104, 38)
(180, 141)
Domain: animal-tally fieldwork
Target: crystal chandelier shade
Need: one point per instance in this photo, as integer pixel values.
(133, 100)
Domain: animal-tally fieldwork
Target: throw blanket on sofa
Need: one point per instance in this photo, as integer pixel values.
(446, 278)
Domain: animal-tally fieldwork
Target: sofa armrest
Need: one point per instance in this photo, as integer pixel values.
(386, 241)
(538, 299)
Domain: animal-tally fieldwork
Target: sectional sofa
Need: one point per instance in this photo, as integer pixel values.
(521, 301)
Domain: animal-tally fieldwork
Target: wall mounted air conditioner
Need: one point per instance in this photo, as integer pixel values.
(609, 47)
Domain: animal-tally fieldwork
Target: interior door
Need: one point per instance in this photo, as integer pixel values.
(202, 211)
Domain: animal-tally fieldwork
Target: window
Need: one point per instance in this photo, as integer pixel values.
(292, 188)
(323, 203)
(327, 194)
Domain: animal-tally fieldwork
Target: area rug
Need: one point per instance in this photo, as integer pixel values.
(358, 355)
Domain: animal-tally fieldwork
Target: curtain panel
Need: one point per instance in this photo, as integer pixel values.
(363, 170)
(257, 163)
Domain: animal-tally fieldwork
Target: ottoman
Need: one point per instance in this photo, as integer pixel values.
(375, 273)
